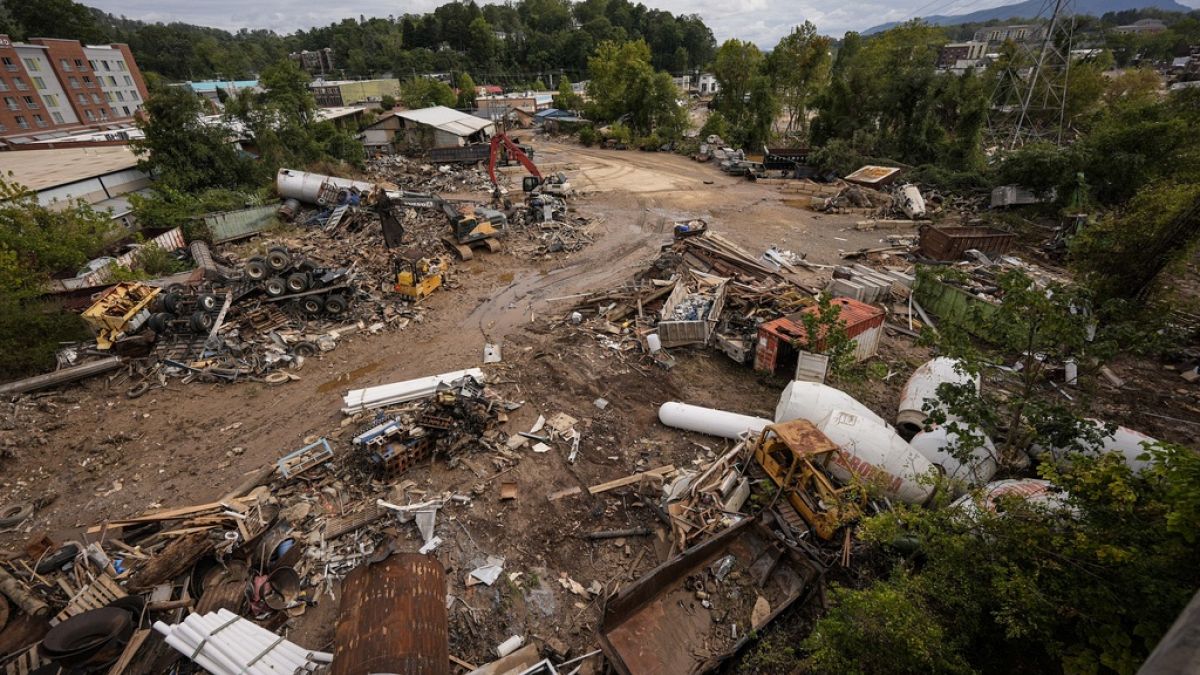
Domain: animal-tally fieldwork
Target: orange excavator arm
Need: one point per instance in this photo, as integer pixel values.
(514, 151)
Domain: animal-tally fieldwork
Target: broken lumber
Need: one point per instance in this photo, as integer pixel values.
(630, 480)
(175, 559)
(617, 534)
(61, 376)
(28, 602)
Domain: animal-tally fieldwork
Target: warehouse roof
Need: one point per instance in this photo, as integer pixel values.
(447, 119)
(42, 169)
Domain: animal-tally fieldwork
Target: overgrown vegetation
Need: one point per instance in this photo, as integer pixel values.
(36, 243)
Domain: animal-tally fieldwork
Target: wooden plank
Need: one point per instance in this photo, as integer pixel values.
(131, 650)
(630, 480)
(555, 496)
(177, 557)
(167, 514)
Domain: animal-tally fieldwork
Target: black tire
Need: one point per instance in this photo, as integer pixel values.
(15, 514)
(177, 289)
(335, 304)
(161, 322)
(297, 283)
(311, 305)
(56, 560)
(200, 322)
(256, 269)
(306, 349)
(275, 287)
(208, 303)
(278, 259)
(137, 390)
(171, 302)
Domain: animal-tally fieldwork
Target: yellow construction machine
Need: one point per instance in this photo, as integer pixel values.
(793, 455)
(120, 310)
(417, 278)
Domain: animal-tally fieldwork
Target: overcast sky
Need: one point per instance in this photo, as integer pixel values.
(763, 21)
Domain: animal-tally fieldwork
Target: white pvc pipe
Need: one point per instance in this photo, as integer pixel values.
(247, 649)
(814, 401)
(875, 454)
(256, 638)
(923, 385)
(222, 650)
(238, 649)
(709, 421)
(184, 641)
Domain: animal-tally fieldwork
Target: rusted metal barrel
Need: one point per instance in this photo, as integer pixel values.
(392, 618)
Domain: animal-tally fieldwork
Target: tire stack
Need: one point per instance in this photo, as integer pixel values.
(281, 274)
(180, 310)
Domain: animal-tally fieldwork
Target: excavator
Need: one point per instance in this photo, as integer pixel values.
(504, 148)
(467, 230)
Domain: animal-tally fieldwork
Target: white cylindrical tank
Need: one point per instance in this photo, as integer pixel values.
(874, 453)
(933, 446)
(1034, 490)
(306, 186)
(1123, 440)
(814, 401)
(709, 420)
(923, 385)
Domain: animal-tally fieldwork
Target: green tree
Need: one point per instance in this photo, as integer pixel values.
(466, 92)
(746, 98)
(35, 243)
(56, 19)
(624, 86)
(423, 92)
(387, 102)
(799, 68)
(185, 151)
(566, 98)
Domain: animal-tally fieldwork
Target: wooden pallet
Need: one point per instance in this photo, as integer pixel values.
(26, 662)
(100, 593)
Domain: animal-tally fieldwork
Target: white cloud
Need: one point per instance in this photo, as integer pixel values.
(761, 21)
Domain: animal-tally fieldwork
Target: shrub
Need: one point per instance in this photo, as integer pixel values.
(588, 136)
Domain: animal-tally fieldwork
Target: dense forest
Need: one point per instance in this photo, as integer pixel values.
(502, 43)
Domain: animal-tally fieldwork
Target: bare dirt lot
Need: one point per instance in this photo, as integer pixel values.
(86, 453)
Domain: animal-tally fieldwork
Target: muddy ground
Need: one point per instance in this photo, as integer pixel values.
(86, 453)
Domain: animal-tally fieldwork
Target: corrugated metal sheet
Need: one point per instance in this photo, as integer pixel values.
(229, 225)
(392, 618)
(167, 241)
(447, 119)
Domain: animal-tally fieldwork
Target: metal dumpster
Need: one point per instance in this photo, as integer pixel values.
(949, 243)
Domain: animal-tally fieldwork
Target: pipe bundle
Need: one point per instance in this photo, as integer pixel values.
(224, 643)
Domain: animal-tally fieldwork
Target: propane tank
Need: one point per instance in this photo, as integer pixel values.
(813, 401)
(874, 453)
(924, 385)
(709, 421)
(978, 470)
(1123, 440)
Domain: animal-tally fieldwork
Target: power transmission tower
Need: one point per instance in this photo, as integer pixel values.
(1030, 100)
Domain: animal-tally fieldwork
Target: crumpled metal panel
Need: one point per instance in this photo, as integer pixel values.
(392, 618)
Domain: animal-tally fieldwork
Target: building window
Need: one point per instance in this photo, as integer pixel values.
(79, 64)
(126, 109)
(133, 96)
(91, 117)
(103, 114)
(121, 66)
(96, 99)
(64, 64)
(32, 65)
(51, 100)
(20, 83)
(120, 96)
(58, 118)
(2, 127)
(21, 122)
(128, 81)
(39, 82)
(108, 95)
(11, 103)
(30, 102)
(92, 63)
(3, 85)
(74, 82)
(37, 119)
(112, 81)
(87, 82)
(8, 63)
(82, 99)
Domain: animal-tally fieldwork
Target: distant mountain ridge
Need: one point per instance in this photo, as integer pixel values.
(1031, 8)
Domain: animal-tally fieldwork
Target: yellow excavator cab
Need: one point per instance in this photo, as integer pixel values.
(793, 455)
(120, 310)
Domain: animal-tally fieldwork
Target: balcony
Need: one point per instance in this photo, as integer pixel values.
(32, 105)
(11, 67)
(23, 125)
(14, 106)
(22, 86)
(41, 124)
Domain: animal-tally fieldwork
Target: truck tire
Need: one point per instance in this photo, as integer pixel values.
(15, 513)
(278, 259)
(208, 303)
(335, 304)
(201, 322)
(256, 269)
(311, 304)
(171, 302)
(297, 282)
(275, 287)
(161, 322)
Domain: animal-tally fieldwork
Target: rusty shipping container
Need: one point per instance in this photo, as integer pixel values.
(392, 618)
(949, 243)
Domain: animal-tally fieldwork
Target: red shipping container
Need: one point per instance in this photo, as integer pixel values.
(776, 339)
